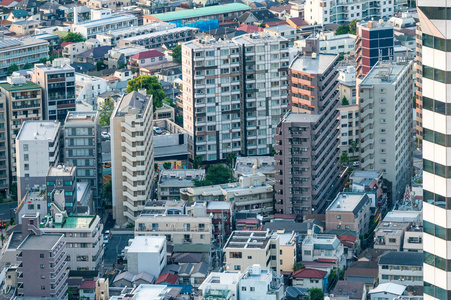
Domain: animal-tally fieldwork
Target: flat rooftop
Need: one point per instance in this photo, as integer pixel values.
(38, 130)
(73, 222)
(258, 38)
(40, 242)
(224, 205)
(346, 202)
(14, 43)
(61, 170)
(76, 117)
(286, 239)
(147, 244)
(403, 216)
(156, 26)
(297, 117)
(201, 12)
(265, 164)
(248, 239)
(385, 72)
(19, 87)
(224, 278)
(180, 178)
(318, 65)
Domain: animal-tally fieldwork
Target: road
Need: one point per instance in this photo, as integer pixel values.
(7, 210)
(114, 247)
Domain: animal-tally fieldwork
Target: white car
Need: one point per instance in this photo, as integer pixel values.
(105, 240)
(105, 135)
(157, 130)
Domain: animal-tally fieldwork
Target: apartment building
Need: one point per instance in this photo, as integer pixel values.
(33, 202)
(349, 211)
(252, 193)
(331, 43)
(113, 37)
(82, 148)
(171, 181)
(247, 248)
(170, 37)
(346, 84)
(435, 135)
(245, 165)
(42, 265)
(261, 283)
(288, 249)
(87, 89)
(349, 129)
(38, 147)
(323, 248)
(413, 238)
(22, 101)
(5, 180)
(132, 157)
(61, 185)
(20, 51)
(90, 29)
(306, 140)
(385, 101)
(225, 285)
(58, 88)
(146, 254)
(72, 50)
(374, 42)
(184, 232)
(402, 268)
(247, 76)
(344, 11)
(419, 85)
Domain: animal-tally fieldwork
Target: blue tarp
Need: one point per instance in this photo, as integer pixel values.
(203, 25)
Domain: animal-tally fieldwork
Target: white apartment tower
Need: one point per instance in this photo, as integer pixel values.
(435, 18)
(132, 157)
(385, 101)
(234, 94)
(342, 11)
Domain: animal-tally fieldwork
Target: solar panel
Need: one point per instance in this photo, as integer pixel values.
(10, 43)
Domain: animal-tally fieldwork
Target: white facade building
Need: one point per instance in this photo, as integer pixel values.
(87, 88)
(91, 28)
(146, 254)
(221, 285)
(323, 246)
(331, 43)
(37, 147)
(261, 284)
(349, 129)
(341, 11)
(385, 101)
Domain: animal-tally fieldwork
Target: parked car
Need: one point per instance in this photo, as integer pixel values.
(105, 135)
(157, 130)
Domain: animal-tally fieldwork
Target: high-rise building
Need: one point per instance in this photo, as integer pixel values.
(306, 140)
(374, 42)
(61, 187)
(385, 101)
(419, 85)
(234, 94)
(23, 103)
(132, 156)
(58, 85)
(340, 11)
(38, 147)
(82, 148)
(434, 20)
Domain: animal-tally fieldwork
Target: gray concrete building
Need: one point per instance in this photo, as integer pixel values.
(61, 185)
(306, 140)
(385, 101)
(82, 148)
(58, 88)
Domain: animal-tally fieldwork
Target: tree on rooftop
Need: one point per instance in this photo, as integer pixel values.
(344, 101)
(73, 37)
(153, 87)
(216, 174)
(298, 266)
(344, 158)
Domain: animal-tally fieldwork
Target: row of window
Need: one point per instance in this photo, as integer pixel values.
(437, 106)
(436, 261)
(436, 75)
(437, 200)
(436, 137)
(436, 42)
(436, 291)
(436, 12)
(437, 231)
(436, 168)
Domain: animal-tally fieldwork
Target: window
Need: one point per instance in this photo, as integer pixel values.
(41, 255)
(252, 289)
(42, 287)
(338, 217)
(42, 276)
(237, 267)
(25, 147)
(236, 255)
(25, 157)
(243, 288)
(249, 257)
(42, 266)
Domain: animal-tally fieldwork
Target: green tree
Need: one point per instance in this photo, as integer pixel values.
(316, 294)
(153, 87)
(100, 65)
(216, 174)
(230, 158)
(197, 163)
(108, 192)
(343, 29)
(262, 25)
(177, 54)
(344, 101)
(27, 66)
(11, 69)
(344, 158)
(353, 27)
(272, 151)
(13, 190)
(106, 109)
(298, 266)
(167, 165)
(73, 37)
(43, 60)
